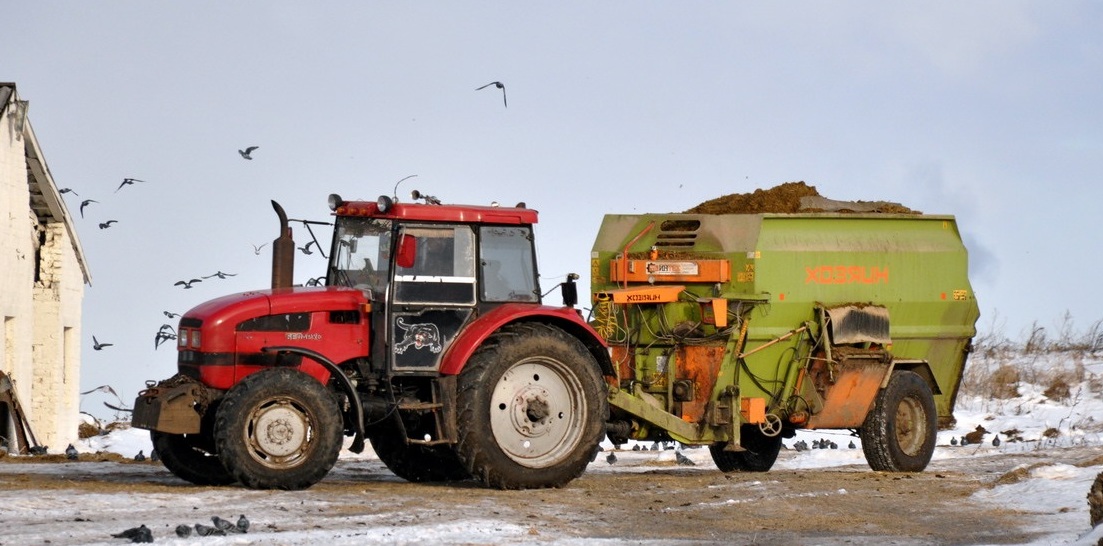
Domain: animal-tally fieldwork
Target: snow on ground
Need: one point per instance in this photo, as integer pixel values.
(1058, 490)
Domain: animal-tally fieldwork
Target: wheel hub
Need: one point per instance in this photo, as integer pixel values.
(279, 430)
(535, 412)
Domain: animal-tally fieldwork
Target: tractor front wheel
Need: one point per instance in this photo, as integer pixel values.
(898, 434)
(278, 429)
(532, 408)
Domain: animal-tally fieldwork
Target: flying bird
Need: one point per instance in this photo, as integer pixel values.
(186, 284)
(256, 249)
(85, 203)
(499, 86)
(221, 275)
(102, 388)
(246, 152)
(306, 249)
(127, 182)
(170, 314)
(164, 334)
(99, 346)
(107, 224)
(68, 190)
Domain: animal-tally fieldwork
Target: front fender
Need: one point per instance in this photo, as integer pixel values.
(567, 318)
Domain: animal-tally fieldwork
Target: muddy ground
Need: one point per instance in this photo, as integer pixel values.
(634, 500)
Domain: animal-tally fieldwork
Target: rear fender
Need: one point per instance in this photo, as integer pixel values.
(566, 318)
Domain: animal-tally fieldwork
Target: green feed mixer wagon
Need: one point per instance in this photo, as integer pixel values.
(735, 330)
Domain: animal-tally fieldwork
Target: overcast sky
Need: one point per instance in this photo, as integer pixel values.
(990, 111)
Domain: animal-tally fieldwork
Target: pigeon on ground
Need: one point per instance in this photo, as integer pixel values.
(306, 249)
(85, 203)
(851, 445)
(154, 456)
(800, 445)
(136, 534)
(682, 459)
(206, 531)
(71, 453)
(499, 86)
(127, 182)
(242, 524)
(636, 447)
(655, 446)
(221, 275)
(611, 458)
(996, 441)
(186, 284)
(833, 445)
(183, 531)
(39, 450)
(141, 456)
(96, 345)
(107, 224)
(953, 441)
(223, 525)
(246, 153)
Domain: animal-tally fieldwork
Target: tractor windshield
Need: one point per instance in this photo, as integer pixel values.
(361, 255)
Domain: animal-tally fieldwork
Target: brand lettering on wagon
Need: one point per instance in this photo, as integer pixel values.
(846, 274)
(643, 298)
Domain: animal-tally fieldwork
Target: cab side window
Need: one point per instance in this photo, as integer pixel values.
(507, 264)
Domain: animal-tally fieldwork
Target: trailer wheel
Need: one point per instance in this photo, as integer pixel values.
(898, 434)
(412, 462)
(532, 408)
(191, 458)
(759, 456)
(278, 429)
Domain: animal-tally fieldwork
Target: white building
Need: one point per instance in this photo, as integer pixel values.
(42, 278)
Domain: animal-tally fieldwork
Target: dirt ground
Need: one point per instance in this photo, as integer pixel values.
(631, 501)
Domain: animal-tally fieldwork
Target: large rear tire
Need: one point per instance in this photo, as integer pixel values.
(898, 434)
(532, 408)
(191, 458)
(278, 429)
(412, 462)
(759, 456)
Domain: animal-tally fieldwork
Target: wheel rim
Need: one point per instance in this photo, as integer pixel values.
(911, 426)
(536, 412)
(279, 432)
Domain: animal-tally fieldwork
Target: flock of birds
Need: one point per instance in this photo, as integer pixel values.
(220, 527)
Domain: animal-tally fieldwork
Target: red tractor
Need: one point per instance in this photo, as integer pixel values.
(429, 339)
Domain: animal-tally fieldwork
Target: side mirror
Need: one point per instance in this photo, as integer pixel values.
(407, 251)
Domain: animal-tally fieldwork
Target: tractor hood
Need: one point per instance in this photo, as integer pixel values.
(229, 311)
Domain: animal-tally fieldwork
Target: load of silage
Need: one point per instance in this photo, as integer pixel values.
(792, 197)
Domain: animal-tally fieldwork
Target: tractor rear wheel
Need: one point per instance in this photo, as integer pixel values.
(191, 458)
(759, 456)
(899, 432)
(412, 462)
(278, 429)
(532, 408)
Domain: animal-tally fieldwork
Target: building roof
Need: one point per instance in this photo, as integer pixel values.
(46, 201)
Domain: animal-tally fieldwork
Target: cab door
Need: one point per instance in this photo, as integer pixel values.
(432, 296)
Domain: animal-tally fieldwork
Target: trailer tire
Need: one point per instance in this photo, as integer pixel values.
(278, 429)
(899, 432)
(415, 463)
(532, 408)
(191, 458)
(759, 456)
